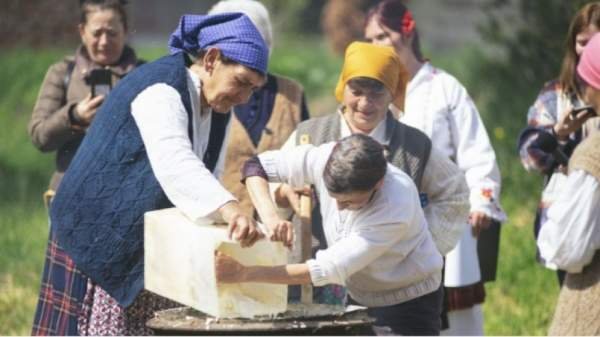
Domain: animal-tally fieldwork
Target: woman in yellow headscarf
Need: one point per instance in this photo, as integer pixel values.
(379, 64)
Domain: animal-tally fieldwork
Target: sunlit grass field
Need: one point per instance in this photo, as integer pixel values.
(520, 302)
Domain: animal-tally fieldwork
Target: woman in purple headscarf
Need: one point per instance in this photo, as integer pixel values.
(156, 142)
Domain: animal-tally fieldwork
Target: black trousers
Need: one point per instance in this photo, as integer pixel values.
(417, 317)
(488, 246)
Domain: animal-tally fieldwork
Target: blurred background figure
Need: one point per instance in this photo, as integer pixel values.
(270, 115)
(65, 107)
(552, 119)
(438, 105)
(570, 238)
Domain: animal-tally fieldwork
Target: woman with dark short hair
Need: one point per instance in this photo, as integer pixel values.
(379, 246)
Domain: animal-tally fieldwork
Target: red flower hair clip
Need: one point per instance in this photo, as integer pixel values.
(487, 193)
(408, 23)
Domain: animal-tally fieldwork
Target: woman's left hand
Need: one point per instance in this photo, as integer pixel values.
(228, 270)
(479, 221)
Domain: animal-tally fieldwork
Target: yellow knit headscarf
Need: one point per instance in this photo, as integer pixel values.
(376, 62)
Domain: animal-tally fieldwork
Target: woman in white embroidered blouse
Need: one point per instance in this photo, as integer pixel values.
(437, 104)
(378, 243)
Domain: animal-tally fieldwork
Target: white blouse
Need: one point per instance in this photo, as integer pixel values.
(447, 209)
(177, 164)
(571, 235)
(383, 246)
(438, 105)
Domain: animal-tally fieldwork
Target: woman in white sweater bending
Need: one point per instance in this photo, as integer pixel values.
(378, 243)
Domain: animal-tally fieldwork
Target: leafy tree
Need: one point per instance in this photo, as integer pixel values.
(536, 46)
(297, 17)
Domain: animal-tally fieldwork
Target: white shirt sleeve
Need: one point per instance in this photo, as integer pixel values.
(448, 209)
(474, 154)
(571, 235)
(163, 124)
(296, 166)
(356, 251)
(290, 142)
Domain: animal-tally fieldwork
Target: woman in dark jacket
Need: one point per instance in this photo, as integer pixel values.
(65, 107)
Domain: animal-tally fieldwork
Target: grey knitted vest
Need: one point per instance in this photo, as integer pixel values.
(409, 148)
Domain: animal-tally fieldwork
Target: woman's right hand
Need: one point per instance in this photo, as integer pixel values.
(85, 111)
(570, 123)
(227, 269)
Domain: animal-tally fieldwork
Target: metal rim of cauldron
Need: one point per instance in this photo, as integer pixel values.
(343, 321)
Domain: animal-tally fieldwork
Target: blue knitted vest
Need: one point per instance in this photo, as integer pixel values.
(98, 211)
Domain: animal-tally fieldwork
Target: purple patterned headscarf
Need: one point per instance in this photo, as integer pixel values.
(233, 33)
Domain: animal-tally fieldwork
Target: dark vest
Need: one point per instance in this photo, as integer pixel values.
(98, 213)
(409, 148)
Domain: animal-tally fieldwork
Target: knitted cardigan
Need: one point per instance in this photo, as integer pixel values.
(99, 210)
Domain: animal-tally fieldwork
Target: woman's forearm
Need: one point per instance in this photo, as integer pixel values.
(287, 274)
(258, 189)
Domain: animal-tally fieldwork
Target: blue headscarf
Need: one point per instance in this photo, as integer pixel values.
(233, 33)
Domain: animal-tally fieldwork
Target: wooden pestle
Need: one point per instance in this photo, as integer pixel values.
(306, 293)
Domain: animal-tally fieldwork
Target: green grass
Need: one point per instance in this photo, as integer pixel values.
(520, 302)
(24, 233)
(23, 178)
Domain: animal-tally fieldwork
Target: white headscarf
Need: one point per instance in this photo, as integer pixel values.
(256, 11)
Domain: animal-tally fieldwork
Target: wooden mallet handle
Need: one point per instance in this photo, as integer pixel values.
(306, 233)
